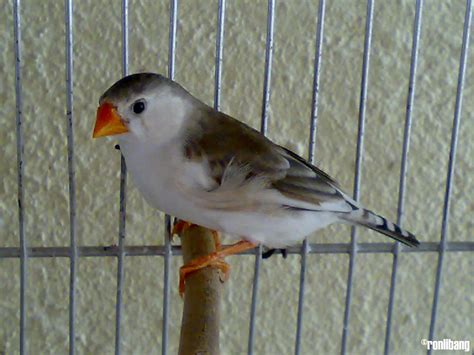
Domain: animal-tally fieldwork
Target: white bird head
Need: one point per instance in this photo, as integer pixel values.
(146, 106)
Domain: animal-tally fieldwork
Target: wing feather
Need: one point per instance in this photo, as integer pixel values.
(249, 171)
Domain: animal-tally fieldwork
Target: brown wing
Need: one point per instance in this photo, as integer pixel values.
(224, 141)
(241, 161)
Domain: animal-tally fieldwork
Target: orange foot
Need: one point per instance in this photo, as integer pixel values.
(214, 259)
(179, 227)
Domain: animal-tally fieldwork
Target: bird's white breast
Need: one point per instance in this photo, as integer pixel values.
(150, 167)
(157, 172)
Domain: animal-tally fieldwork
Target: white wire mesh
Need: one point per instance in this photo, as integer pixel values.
(73, 252)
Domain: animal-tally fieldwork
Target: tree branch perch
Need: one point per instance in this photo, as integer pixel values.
(201, 312)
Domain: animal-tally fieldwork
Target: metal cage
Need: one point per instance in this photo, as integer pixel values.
(74, 251)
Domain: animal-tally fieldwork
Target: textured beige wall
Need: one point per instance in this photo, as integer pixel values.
(97, 64)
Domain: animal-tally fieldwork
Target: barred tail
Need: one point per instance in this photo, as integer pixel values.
(369, 219)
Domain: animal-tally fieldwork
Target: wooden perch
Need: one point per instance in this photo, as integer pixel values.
(201, 312)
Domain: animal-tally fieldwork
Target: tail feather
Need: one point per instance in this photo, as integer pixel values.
(369, 219)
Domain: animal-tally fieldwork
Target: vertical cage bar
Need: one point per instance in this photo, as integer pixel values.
(20, 172)
(167, 257)
(404, 165)
(299, 320)
(166, 286)
(451, 166)
(268, 66)
(219, 52)
(253, 305)
(317, 73)
(71, 172)
(312, 145)
(123, 201)
(263, 130)
(172, 38)
(358, 168)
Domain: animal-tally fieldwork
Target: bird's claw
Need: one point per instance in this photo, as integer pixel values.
(179, 227)
(270, 252)
(215, 259)
(212, 260)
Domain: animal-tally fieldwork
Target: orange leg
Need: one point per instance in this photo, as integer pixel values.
(214, 259)
(179, 227)
(217, 239)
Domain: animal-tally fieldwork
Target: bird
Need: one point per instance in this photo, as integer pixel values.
(207, 168)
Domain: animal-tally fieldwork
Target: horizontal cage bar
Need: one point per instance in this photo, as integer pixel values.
(160, 250)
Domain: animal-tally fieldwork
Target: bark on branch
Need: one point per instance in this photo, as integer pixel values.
(201, 312)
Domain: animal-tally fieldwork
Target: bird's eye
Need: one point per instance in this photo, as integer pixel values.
(138, 106)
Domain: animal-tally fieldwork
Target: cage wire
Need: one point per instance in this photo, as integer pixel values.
(26, 251)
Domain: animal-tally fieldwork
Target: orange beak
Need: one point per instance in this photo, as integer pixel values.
(108, 122)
